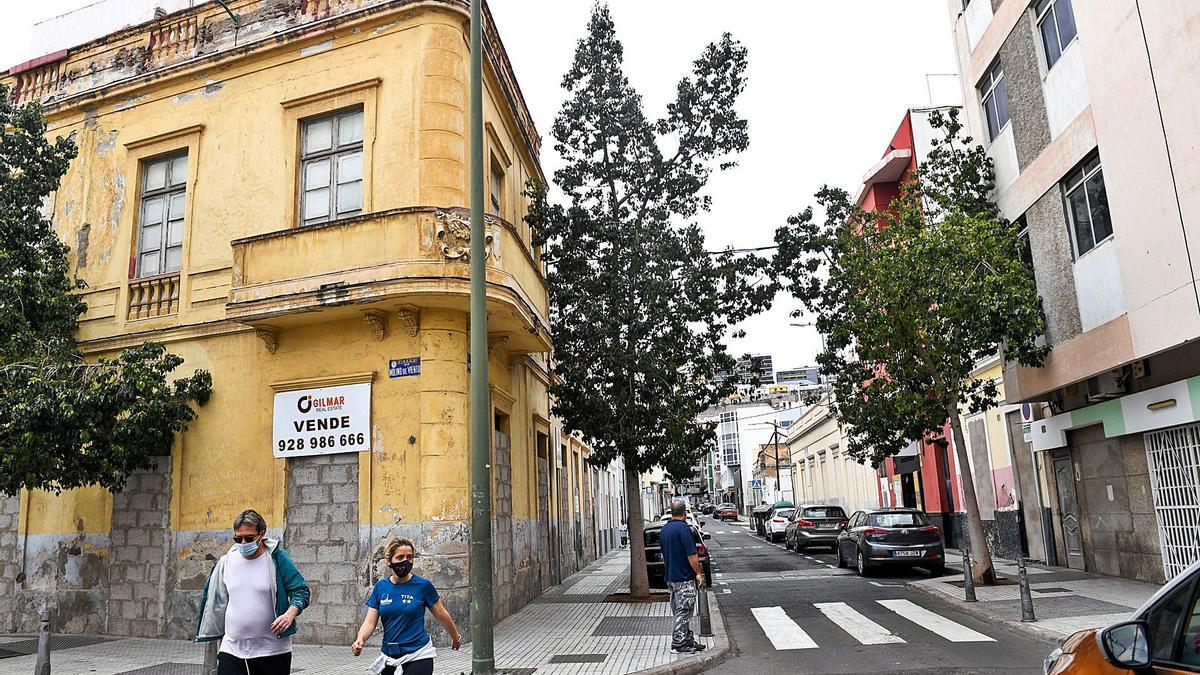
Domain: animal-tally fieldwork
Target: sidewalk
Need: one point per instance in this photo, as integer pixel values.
(1064, 600)
(568, 630)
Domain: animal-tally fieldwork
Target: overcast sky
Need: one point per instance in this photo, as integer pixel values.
(829, 82)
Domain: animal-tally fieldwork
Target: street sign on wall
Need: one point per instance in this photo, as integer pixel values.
(322, 421)
(404, 367)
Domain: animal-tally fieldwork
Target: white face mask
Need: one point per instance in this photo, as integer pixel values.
(247, 549)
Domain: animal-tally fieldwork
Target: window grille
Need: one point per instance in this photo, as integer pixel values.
(1174, 461)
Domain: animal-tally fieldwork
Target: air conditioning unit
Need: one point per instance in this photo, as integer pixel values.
(1107, 386)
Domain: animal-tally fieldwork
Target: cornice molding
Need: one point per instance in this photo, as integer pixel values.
(193, 130)
(324, 381)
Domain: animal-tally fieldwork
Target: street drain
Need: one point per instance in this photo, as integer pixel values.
(578, 658)
(626, 626)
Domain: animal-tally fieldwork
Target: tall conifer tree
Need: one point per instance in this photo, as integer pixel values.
(640, 308)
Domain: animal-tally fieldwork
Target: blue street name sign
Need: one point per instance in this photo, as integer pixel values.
(404, 367)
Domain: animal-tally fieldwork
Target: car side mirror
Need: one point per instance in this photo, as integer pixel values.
(1125, 645)
(708, 536)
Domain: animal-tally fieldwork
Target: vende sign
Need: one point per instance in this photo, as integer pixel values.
(322, 421)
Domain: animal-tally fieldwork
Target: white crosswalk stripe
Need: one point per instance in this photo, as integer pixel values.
(952, 631)
(858, 626)
(785, 634)
(781, 630)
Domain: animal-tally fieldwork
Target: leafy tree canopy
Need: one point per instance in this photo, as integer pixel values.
(66, 422)
(913, 298)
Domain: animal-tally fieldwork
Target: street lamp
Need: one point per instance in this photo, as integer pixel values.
(811, 325)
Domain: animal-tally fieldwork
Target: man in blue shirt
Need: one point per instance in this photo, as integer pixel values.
(683, 575)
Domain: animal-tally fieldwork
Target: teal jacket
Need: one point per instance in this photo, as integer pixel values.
(290, 588)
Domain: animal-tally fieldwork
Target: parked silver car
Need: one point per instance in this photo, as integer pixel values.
(815, 525)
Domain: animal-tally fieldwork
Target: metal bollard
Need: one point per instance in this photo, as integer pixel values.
(1026, 598)
(968, 576)
(210, 657)
(702, 606)
(42, 666)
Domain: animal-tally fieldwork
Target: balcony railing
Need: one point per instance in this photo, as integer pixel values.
(156, 296)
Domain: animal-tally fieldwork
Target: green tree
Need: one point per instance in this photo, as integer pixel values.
(911, 299)
(639, 307)
(66, 422)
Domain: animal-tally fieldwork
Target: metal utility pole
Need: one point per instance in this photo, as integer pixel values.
(483, 661)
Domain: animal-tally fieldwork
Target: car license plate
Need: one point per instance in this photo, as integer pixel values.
(827, 527)
(908, 554)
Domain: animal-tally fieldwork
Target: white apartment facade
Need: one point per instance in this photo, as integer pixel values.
(822, 472)
(1088, 108)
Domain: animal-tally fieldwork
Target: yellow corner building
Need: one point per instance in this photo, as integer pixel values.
(282, 201)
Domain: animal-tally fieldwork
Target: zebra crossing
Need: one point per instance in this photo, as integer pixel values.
(785, 633)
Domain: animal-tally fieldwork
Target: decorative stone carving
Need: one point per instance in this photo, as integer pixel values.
(378, 322)
(411, 318)
(497, 341)
(454, 234)
(270, 338)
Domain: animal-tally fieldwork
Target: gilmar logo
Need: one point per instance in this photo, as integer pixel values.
(307, 403)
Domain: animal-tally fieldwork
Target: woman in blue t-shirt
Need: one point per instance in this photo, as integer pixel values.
(401, 600)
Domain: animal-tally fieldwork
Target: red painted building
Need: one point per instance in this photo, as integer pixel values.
(925, 474)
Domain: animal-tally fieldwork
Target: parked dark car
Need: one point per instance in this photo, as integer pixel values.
(726, 511)
(655, 568)
(891, 537)
(815, 525)
(706, 508)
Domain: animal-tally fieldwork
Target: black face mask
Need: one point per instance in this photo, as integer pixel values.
(402, 568)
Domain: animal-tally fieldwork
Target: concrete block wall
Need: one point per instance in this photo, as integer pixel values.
(10, 509)
(502, 530)
(321, 534)
(139, 541)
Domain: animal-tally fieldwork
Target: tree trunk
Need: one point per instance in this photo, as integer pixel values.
(639, 582)
(981, 557)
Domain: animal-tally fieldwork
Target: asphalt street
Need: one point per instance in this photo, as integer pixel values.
(793, 612)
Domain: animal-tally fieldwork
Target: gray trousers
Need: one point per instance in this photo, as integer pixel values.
(683, 604)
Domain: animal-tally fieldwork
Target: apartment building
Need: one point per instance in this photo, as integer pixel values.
(822, 472)
(277, 192)
(1088, 110)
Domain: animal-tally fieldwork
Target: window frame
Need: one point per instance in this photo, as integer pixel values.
(1068, 189)
(334, 154)
(496, 180)
(731, 418)
(1050, 12)
(167, 192)
(992, 79)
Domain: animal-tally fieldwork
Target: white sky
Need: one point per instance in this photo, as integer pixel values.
(829, 81)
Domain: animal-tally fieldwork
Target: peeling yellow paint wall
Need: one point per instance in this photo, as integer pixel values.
(259, 301)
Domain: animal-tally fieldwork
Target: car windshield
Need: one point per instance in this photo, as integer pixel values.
(784, 513)
(824, 512)
(899, 519)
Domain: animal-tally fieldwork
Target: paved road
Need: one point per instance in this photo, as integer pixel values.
(798, 613)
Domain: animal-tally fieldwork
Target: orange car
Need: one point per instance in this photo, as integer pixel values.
(1163, 637)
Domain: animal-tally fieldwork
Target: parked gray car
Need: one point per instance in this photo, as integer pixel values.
(815, 525)
(891, 537)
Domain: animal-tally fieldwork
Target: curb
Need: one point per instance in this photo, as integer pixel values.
(690, 665)
(1031, 629)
